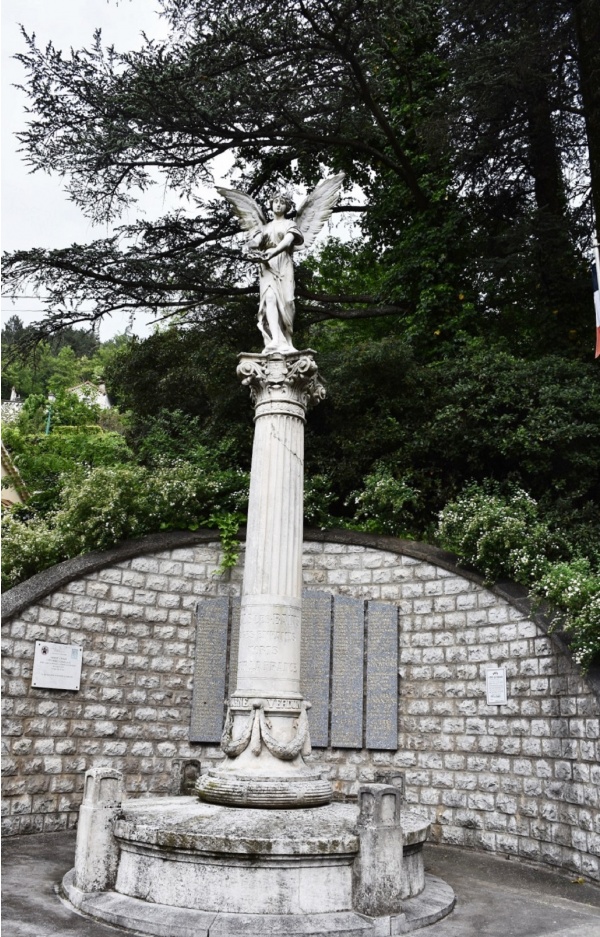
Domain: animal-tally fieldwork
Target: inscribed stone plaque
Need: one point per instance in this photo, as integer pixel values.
(495, 686)
(382, 676)
(234, 645)
(209, 674)
(347, 675)
(314, 671)
(57, 666)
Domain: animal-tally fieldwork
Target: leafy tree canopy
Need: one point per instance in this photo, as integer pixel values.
(64, 359)
(452, 322)
(459, 126)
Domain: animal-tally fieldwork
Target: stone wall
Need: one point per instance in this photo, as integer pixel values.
(521, 779)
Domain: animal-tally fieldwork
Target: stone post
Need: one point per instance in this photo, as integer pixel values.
(96, 852)
(377, 882)
(266, 729)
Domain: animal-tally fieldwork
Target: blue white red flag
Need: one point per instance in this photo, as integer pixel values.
(596, 282)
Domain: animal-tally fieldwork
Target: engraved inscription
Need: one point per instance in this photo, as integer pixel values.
(271, 633)
(272, 656)
(236, 604)
(314, 669)
(278, 618)
(260, 650)
(347, 676)
(382, 677)
(245, 702)
(269, 666)
(209, 671)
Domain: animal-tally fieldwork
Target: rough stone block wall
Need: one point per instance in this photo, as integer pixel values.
(521, 779)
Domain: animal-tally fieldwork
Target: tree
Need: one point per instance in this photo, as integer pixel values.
(449, 327)
(68, 357)
(51, 441)
(587, 23)
(377, 88)
(518, 133)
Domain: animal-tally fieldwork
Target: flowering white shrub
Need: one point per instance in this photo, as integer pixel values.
(502, 536)
(574, 590)
(318, 495)
(28, 548)
(382, 506)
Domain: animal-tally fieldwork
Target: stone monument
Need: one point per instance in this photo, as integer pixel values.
(263, 851)
(266, 731)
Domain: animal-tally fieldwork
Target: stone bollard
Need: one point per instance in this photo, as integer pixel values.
(377, 874)
(97, 853)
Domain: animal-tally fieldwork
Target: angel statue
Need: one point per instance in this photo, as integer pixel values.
(271, 245)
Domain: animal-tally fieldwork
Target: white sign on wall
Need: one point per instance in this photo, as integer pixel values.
(495, 686)
(57, 666)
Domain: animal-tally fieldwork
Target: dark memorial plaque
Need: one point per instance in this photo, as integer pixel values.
(234, 646)
(314, 670)
(382, 677)
(347, 675)
(209, 673)
(337, 695)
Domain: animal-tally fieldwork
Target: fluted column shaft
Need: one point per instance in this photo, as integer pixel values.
(266, 731)
(269, 659)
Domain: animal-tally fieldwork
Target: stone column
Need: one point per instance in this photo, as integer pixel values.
(266, 730)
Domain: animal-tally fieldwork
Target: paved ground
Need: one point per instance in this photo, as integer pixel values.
(495, 897)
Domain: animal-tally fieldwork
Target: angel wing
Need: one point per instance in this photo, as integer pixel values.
(317, 207)
(248, 211)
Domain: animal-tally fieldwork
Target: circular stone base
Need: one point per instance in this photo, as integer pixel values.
(434, 903)
(266, 793)
(187, 869)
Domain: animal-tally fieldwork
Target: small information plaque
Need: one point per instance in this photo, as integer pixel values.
(495, 686)
(57, 666)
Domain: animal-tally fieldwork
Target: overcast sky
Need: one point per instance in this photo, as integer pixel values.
(36, 212)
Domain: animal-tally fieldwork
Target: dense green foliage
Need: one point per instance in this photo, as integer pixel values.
(453, 322)
(67, 358)
(98, 508)
(427, 426)
(501, 532)
(51, 440)
(461, 128)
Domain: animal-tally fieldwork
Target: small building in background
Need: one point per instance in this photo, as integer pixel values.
(11, 408)
(92, 394)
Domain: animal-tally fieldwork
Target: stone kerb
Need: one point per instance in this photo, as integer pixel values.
(521, 779)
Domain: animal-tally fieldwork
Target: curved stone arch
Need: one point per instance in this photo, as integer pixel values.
(27, 593)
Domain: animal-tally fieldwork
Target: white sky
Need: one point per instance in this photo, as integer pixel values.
(36, 211)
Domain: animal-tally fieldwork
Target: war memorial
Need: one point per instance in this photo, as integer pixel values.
(355, 697)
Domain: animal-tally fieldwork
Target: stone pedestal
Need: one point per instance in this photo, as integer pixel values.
(188, 869)
(266, 730)
(96, 852)
(378, 868)
(178, 868)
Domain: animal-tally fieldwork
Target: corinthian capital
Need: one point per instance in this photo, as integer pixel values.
(286, 378)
